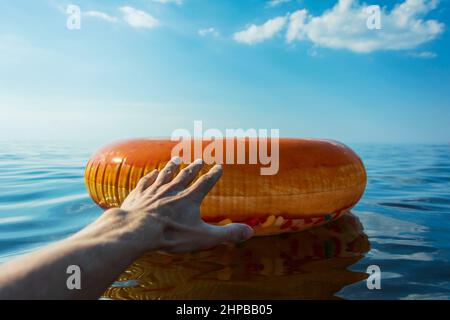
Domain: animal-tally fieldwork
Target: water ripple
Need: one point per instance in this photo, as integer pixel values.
(405, 213)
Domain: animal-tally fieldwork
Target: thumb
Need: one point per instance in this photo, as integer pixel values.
(233, 232)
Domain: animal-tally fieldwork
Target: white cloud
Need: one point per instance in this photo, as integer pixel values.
(423, 55)
(258, 33)
(179, 2)
(276, 3)
(101, 15)
(208, 31)
(138, 19)
(344, 27)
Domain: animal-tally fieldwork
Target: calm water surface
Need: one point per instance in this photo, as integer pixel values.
(402, 225)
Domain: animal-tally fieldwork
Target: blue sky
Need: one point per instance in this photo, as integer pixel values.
(144, 68)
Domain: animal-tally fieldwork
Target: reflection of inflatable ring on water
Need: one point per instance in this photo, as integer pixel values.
(309, 264)
(316, 181)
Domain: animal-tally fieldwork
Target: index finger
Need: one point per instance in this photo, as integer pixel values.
(200, 188)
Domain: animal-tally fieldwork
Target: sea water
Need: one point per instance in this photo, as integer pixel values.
(404, 217)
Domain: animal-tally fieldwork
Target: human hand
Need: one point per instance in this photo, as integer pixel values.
(163, 212)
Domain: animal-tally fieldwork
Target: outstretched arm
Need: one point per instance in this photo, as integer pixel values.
(162, 213)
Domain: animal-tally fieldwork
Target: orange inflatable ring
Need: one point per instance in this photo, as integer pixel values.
(317, 181)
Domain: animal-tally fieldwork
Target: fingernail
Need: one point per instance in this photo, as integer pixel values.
(247, 233)
(176, 160)
(198, 161)
(218, 167)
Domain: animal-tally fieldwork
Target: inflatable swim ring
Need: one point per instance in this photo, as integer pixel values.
(305, 265)
(317, 181)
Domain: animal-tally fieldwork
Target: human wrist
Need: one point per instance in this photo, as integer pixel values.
(109, 249)
(140, 231)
